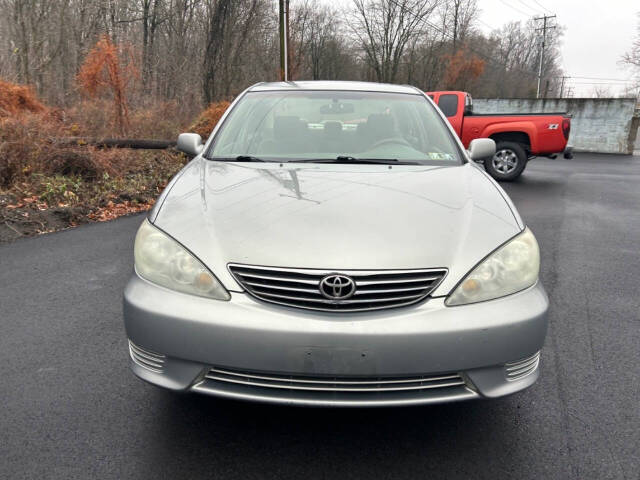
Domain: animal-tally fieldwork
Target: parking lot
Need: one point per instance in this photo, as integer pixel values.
(72, 409)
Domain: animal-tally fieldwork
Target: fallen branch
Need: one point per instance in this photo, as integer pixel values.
(12, 228)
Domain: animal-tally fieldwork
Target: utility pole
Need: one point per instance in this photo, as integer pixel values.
(544, 29)
(287, 40)
(284, 40)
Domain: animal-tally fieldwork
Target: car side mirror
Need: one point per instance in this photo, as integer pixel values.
(482, 148)
(190, 143)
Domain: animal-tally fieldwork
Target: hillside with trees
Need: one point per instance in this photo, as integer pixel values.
(200, 51)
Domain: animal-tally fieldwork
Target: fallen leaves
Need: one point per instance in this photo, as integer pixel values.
(45, 201)
(28, 201)
(114, 210)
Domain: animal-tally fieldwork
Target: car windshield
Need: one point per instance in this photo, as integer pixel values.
(288, 126)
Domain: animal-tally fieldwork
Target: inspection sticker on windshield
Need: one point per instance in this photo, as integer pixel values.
(439, 156)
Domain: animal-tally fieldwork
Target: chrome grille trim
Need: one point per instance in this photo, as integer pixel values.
(419, 279)
(335, 384)
(521, 368)
(146, 359)
(299, 287)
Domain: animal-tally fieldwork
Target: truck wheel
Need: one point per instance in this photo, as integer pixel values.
(508, 162)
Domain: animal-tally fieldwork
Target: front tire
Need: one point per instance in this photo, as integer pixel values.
(508, 163)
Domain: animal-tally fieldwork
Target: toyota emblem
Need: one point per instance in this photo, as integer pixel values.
(337, 287)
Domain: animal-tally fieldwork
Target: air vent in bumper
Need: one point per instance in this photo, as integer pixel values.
(374, 289)
(335, 384)
(325, 390)
(521, 368)
(146, 359)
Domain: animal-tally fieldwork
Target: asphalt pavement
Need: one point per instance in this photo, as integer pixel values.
(70, 408)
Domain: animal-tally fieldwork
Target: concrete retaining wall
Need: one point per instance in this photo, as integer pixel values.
(605, 125)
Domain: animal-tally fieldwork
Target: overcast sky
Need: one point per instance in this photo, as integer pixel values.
(596, 34)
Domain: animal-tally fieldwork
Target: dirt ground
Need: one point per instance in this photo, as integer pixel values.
(20, 218)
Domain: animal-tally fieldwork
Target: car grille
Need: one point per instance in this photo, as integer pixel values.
(374, 290)
(146, 359)
(335, 384)
(521, 368)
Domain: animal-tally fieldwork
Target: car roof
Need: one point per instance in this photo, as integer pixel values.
(334, 85)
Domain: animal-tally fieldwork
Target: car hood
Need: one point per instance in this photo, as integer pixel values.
(337, 217)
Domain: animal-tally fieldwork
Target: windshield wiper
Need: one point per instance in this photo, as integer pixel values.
(239, 158)
(349, 159)
(247, 158)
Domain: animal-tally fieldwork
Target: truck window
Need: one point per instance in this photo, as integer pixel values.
(448, 103)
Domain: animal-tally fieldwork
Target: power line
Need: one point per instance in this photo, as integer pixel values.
(619, 84)
(603, 78)
(535, 10)
(542, 6)
(516, 9)
(487, 25)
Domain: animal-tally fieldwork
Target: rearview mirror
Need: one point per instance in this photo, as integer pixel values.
(482, 148)
(335, 107)
(190, 143)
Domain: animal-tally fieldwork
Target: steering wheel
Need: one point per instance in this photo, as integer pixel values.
(390, 141)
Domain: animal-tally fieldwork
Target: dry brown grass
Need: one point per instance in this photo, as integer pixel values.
(209, 118)
(157, 120)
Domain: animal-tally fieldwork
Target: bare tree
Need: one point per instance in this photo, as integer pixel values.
(150, 22)
(632, 57)
(600, 91)
(230, 26)
(457, 17)
(319, 50)
(384, 28)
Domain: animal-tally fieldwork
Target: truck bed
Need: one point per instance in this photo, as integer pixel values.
(539, 114)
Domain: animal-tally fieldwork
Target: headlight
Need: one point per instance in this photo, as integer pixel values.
(511, 268)
(162, 260)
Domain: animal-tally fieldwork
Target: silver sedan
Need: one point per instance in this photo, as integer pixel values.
(332, 243)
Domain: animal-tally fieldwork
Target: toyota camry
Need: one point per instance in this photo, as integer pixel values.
(333, 243)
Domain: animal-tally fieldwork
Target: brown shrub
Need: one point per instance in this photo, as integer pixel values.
(28, 145)
(22, 145)
(92, 118)
(87, 163)
(160, 120)
(15, 99)
(209, 118)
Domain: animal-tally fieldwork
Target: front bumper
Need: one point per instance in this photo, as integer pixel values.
(258, 342)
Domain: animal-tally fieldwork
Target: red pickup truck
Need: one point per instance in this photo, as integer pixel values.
(519, 137)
